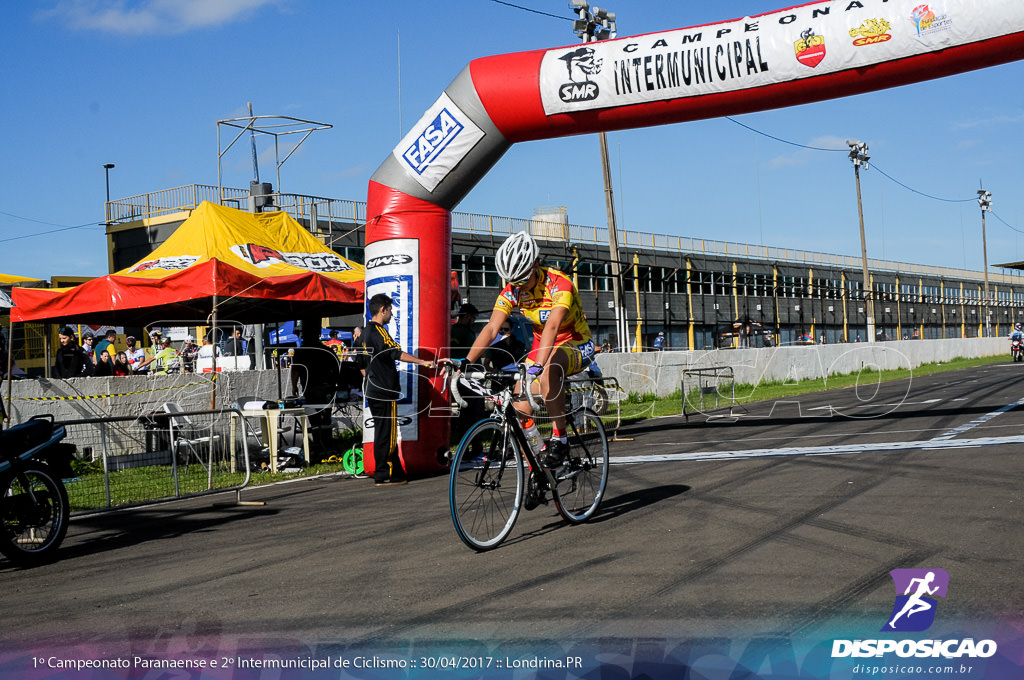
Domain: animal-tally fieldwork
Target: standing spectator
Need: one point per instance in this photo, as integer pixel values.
(106, 344)
(659, 342)
(189, 352)
(463, 336)
(136, 355)
(235, 346)
(71, 360)
(316, 367)
(104, 365)
(155, 343)
(353, 349)
(250, 351)
(463, 333)
(382, 390)
(121, 365)
(507, 350)
(87, 345)
(166, 360)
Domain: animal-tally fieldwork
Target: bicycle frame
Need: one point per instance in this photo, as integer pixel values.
(510, 418)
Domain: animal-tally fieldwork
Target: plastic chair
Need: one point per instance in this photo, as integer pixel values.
(186, 435)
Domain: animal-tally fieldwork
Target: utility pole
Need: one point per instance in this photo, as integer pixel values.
(599, 24)
(858, 154)
(985, 201)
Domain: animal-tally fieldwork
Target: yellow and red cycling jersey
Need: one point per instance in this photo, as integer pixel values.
(553, 289)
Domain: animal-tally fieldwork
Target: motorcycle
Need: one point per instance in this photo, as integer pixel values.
(34, 507)
(1017, 349)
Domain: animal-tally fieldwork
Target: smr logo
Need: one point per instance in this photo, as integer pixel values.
(581, 64)
(914, 610)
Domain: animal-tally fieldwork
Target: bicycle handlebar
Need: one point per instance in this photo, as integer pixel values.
(452, 381)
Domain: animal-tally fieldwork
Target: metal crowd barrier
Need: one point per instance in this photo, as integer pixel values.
(597, 394)
(705, 382)
(133, 460)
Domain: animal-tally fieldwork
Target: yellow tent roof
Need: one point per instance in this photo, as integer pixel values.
(252, 268)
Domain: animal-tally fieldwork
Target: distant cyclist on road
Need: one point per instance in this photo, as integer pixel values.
(562, 344)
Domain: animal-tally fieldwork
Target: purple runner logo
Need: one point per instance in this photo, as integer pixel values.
(914, 609)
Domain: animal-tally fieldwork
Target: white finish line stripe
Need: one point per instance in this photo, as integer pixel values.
(978, 421)
(839, 450)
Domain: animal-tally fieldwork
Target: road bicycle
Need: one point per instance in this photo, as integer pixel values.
(495, 474)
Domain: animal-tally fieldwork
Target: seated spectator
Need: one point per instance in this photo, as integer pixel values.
(104, 366)
(333, 343)
(121, 365)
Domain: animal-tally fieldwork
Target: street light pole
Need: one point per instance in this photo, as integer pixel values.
(106, 206)
(985, 201)
(858, 154)
(592, 26)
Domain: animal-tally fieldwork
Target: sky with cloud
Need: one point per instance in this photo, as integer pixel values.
(142, 83)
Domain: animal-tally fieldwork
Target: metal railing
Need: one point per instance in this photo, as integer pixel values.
(321, 214)
(133, 460)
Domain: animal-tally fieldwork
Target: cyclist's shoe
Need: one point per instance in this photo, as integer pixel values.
(555, 453)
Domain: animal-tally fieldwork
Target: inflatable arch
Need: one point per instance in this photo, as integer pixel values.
(802, 54)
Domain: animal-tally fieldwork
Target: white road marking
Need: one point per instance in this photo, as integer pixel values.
(837, 450)
(902, 403)
(956, 431)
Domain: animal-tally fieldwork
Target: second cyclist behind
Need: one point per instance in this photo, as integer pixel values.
(562, 344)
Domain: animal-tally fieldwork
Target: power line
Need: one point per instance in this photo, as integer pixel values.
(43, 233)
(921, 193)
(875, 165)
(1005, 222)
(527, 9)
(779, 139)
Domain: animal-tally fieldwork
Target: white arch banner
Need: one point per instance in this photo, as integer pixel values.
(811, 52)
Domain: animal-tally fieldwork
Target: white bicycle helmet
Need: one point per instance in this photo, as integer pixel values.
(516, 257)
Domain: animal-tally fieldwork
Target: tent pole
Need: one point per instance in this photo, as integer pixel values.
(10, 366)
(213, 374)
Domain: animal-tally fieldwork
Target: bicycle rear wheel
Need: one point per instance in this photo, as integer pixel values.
(486, 485)
(580, 483)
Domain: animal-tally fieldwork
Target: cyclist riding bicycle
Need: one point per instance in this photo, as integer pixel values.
(562, 344)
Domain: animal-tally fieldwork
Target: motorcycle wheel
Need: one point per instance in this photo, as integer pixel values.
(34, 513)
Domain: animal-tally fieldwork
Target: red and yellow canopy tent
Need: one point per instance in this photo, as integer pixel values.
(9, 280)
(6, 281)
(245, 267)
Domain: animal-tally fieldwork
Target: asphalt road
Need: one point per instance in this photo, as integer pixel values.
(783, 522)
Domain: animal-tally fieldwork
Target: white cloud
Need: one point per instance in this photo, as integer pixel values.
(1015, 118)
(150, 17)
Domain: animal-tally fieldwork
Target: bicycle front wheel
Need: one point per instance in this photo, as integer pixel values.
(580, 483)
(486, 486)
